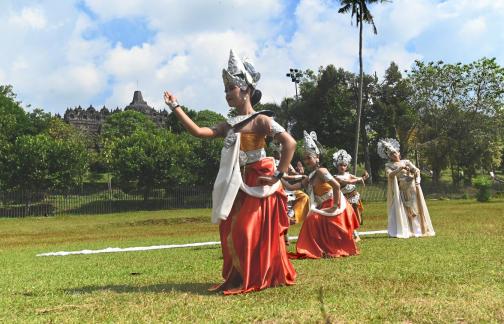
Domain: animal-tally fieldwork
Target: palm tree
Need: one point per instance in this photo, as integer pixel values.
(359, 10)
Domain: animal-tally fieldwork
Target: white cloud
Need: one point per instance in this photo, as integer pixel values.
(130, 63)
(403, 20)
(29, 17)
(122, 94)
(384, 55)
(186, 17)
(473, 28)
(87, 79)
(52, 61)
(175, 69)
(20, 65)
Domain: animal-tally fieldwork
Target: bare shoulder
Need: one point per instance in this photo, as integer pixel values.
(322, 171)
(261, 118)
(262, 124)
(221, 129)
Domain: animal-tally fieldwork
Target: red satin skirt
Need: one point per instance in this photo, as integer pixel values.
(253, 247)
(323, 236)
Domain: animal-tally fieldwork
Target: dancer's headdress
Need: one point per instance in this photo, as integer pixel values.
(240, 73)
(386, 146)
(310, 143)
(341, 157)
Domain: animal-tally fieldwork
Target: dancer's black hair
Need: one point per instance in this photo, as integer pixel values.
(255, 97)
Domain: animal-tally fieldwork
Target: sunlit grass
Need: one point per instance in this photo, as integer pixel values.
(456, 276)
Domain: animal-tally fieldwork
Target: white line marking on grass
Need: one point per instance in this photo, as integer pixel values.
(129, 249)
(372, 232)
(161, 247)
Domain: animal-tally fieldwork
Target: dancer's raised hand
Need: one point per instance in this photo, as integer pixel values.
(170, 99)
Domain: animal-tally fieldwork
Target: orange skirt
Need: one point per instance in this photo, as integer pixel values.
(358, 208)
(323, 236)
(253, 247)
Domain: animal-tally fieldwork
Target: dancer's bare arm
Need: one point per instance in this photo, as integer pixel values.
(392, 173)
(288, 186)
(349, 180)
(295, 186)
(324, 175)
(288, 147)
(189, 125)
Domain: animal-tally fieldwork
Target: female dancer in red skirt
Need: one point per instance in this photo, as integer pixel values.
(328, 229)
(248, 200)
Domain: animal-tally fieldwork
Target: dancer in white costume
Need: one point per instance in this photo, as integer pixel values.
(407, 212)
(348, 181)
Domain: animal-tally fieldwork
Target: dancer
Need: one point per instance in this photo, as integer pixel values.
(328, 229)
(248, 200)
(341, 160)
(298, 200)
(407, 212)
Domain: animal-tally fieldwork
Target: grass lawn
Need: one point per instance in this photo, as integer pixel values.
(457, 276)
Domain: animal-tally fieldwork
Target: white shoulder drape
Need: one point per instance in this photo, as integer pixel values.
(229, 181)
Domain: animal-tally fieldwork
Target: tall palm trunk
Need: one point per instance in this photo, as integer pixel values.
(367, 158)
(359, 107)
(365, 143)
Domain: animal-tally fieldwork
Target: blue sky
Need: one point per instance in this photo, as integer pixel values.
(63, 54)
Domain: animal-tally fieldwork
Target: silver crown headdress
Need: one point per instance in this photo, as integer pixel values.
(341, 157)
(387, 146)
(240, 73)
(310, 146)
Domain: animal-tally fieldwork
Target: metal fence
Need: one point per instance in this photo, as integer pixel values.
(99, 199)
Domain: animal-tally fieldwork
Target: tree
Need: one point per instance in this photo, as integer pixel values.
(359, 10)
(48, 161)
(31, 158)
(68, 156)
(174, 125)
(38, 121)
(460, 111)
(392, 114)
(202, 161)
(30, 166)
(142, 156)
(207, 118)
(13, 119)
(435, 88)
(146, 159)
(125, 123)
(327, 106)
(370, 93)
(5, 158)
(204, 157)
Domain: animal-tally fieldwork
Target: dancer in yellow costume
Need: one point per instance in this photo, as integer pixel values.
(301, 204)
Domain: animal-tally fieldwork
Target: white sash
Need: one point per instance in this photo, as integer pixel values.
(229, 181)
(338, 211)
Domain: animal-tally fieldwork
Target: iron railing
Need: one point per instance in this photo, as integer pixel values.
(99, 199)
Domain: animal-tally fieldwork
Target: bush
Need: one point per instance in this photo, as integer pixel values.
(483, 184)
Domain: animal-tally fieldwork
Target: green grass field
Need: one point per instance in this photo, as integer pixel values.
(457, 276)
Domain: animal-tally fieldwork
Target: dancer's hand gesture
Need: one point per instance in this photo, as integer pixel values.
(266, 180)
(364, 177)
(170, 99)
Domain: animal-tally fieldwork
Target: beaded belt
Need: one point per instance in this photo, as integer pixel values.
(251, 156)
(348, 188)
(320, 199)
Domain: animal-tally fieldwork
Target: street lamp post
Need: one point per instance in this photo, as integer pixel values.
(295, 76)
